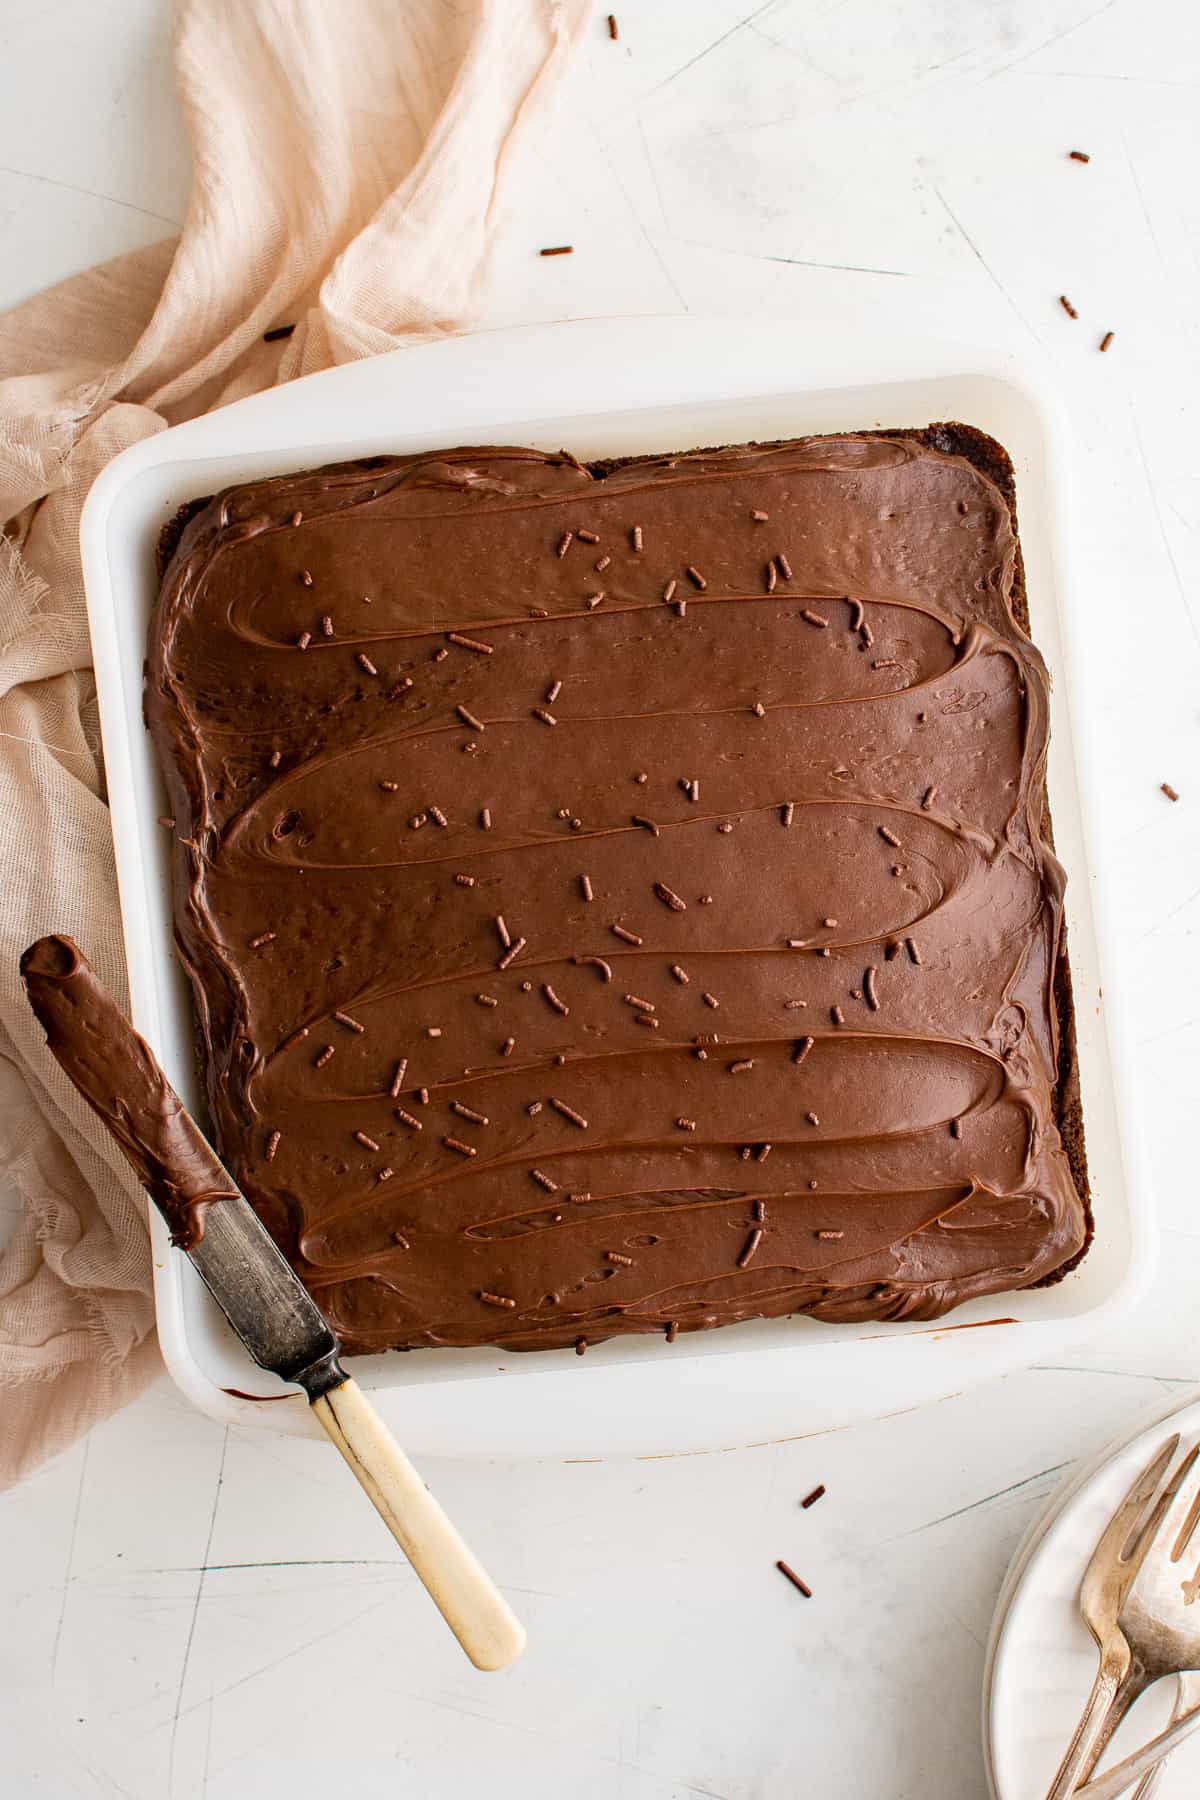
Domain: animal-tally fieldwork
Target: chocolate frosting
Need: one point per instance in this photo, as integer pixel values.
(118, 1075)
(618, 899)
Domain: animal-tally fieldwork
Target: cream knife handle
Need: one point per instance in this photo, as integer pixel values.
(465, 1595)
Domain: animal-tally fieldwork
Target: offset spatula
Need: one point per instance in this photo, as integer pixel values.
(279, 1323)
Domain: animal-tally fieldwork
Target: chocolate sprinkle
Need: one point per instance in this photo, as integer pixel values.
(612, 27)
(304, 640)
(738, 1068)
(637, 539)
(585, 888)
(544, 1181)
(686, 1124)
(560, 1006)
(672, 1330)
(465, 880)
(408, 1119)
(398, 1078)
(956, 1128)
(681, 975)
(437, 815)
(327, 626)
(771, 575)
(487, 999)
(264, 937)
(802, 1049)
(786, 812)
(558, 250)
(502, 928)
(364, 662)
(796, 1579)
(695, 577)
(468, 718)
(614, 1256)
(669, 591)
(869, 989)
(468, 1112)
(547, 718)
(831, 1237)
(508, 1046)
(588, 537)
(273, 1145)
(568, 1112)
(1067, 307)
(469, 643)
(812, 1118)
(913, 950)
(1106, 340)
(1164, 788)
(594, 962)
(324, 1057)
(1078, 156)
(496, 1299)
(601, 564)
(710, 1000)
(630, 937)
(811, 1499)
(837, 1015)
(762, 1153)
(760, 518)
(646, 824)
(636, 1000)
(453, 1143)
(750, 1246)
(485, 818)
(929, 797)
(784, 566)
(760, 1211)
(510, 955)
(647, 1019)
(669, 897)
(889, 837)
(814, 618)
(552, 692)
(368, 1143)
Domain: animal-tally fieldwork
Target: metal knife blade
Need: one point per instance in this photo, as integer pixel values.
(119, 1076)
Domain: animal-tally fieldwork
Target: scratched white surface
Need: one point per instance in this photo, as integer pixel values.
(189, 1612)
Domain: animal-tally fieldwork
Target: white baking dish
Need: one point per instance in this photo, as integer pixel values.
(606, 388)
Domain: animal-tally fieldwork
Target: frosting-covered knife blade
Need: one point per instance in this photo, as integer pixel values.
(266, 1304)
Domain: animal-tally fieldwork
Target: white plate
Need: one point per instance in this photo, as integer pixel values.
(1041, 1658)
(633, 385)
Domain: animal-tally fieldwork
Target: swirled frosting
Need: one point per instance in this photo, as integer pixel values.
(618, 900)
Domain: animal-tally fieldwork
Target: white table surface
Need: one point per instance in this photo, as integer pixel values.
(197, 1612)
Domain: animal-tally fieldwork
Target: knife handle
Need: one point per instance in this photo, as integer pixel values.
(465, 1595)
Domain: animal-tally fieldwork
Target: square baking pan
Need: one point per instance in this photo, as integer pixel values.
(635, 386)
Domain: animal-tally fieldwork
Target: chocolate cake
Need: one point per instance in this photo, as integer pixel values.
(619, 897)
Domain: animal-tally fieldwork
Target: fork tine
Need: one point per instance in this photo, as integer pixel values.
(1145, 1529)
(1187, 1530)
(1146, 1485)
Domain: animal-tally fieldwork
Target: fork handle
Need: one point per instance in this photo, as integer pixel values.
(1114, 1665)
(1149, 1784)
(1130, 1688)
(1115, 1781)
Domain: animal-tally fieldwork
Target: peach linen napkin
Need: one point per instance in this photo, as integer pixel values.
(346, 159)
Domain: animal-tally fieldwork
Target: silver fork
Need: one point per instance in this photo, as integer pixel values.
(1159, 1618)
(1107, 1579)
